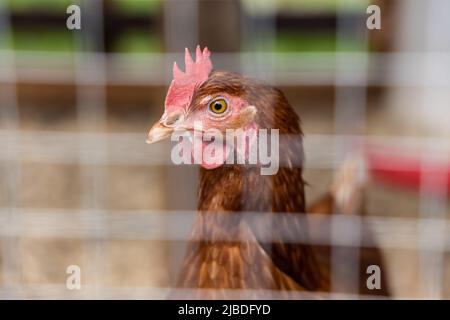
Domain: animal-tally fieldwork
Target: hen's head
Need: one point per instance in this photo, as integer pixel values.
(200, 100)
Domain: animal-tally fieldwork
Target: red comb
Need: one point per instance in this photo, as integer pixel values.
(183, 84)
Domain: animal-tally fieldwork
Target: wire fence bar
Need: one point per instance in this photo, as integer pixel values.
(55, 291)
(431, 264)
(430, 234)
(9, 118)
(108, 148)
(432, 205)
(349, 107)
(397, 69)
(91, 117)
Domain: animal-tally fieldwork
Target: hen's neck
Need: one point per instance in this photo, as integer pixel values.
(241, 188)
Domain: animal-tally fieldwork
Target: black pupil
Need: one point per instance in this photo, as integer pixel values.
(218, 106)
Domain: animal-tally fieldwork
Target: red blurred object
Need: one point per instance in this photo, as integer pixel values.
(402, 169)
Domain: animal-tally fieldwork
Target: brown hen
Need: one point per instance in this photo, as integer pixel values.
(236, 244)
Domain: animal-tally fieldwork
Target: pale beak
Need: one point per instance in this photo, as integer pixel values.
(158, 132)
(165, 126)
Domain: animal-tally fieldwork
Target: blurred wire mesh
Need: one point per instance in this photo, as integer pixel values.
(80, 187)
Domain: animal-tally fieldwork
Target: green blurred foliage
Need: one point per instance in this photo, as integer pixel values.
(321, 5)
(40, 5)
(59, 39)
(313, 42)
(48, 40)
(137, 41)
(126, 6)
(303, 6)
(138, 7)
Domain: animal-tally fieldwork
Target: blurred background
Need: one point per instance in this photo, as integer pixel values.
(79, 186)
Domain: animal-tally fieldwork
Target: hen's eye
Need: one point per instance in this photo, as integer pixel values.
(218, 106)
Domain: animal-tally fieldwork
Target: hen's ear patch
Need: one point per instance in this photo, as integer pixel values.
(184, 83)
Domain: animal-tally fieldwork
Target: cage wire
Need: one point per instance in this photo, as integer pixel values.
(92, 148)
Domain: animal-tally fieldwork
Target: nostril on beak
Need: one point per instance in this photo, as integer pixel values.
(158, 132)
(172, 120)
